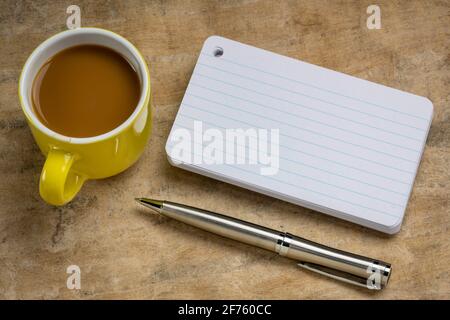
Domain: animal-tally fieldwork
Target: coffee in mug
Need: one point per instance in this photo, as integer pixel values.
(85, 91)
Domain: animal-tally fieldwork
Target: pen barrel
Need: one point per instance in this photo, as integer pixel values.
(223, 225)
(345, 266)
(334, 263)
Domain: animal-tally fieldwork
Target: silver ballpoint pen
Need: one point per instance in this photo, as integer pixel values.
(348, 267)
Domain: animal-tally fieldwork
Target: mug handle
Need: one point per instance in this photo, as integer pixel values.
(58, 183)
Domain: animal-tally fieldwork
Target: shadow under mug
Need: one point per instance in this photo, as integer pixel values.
(71, 161)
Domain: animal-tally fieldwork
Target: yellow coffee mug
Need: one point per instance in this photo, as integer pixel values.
(71, 161)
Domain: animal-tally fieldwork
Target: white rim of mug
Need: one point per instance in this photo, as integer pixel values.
(28, 110)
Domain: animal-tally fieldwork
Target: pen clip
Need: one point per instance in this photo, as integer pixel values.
(339, 275)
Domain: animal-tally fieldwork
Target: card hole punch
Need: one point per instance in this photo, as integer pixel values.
(218, 52)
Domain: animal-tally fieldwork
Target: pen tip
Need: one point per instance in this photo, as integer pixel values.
(150, 203)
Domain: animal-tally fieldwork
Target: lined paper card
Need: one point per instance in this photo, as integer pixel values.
(301, 133)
